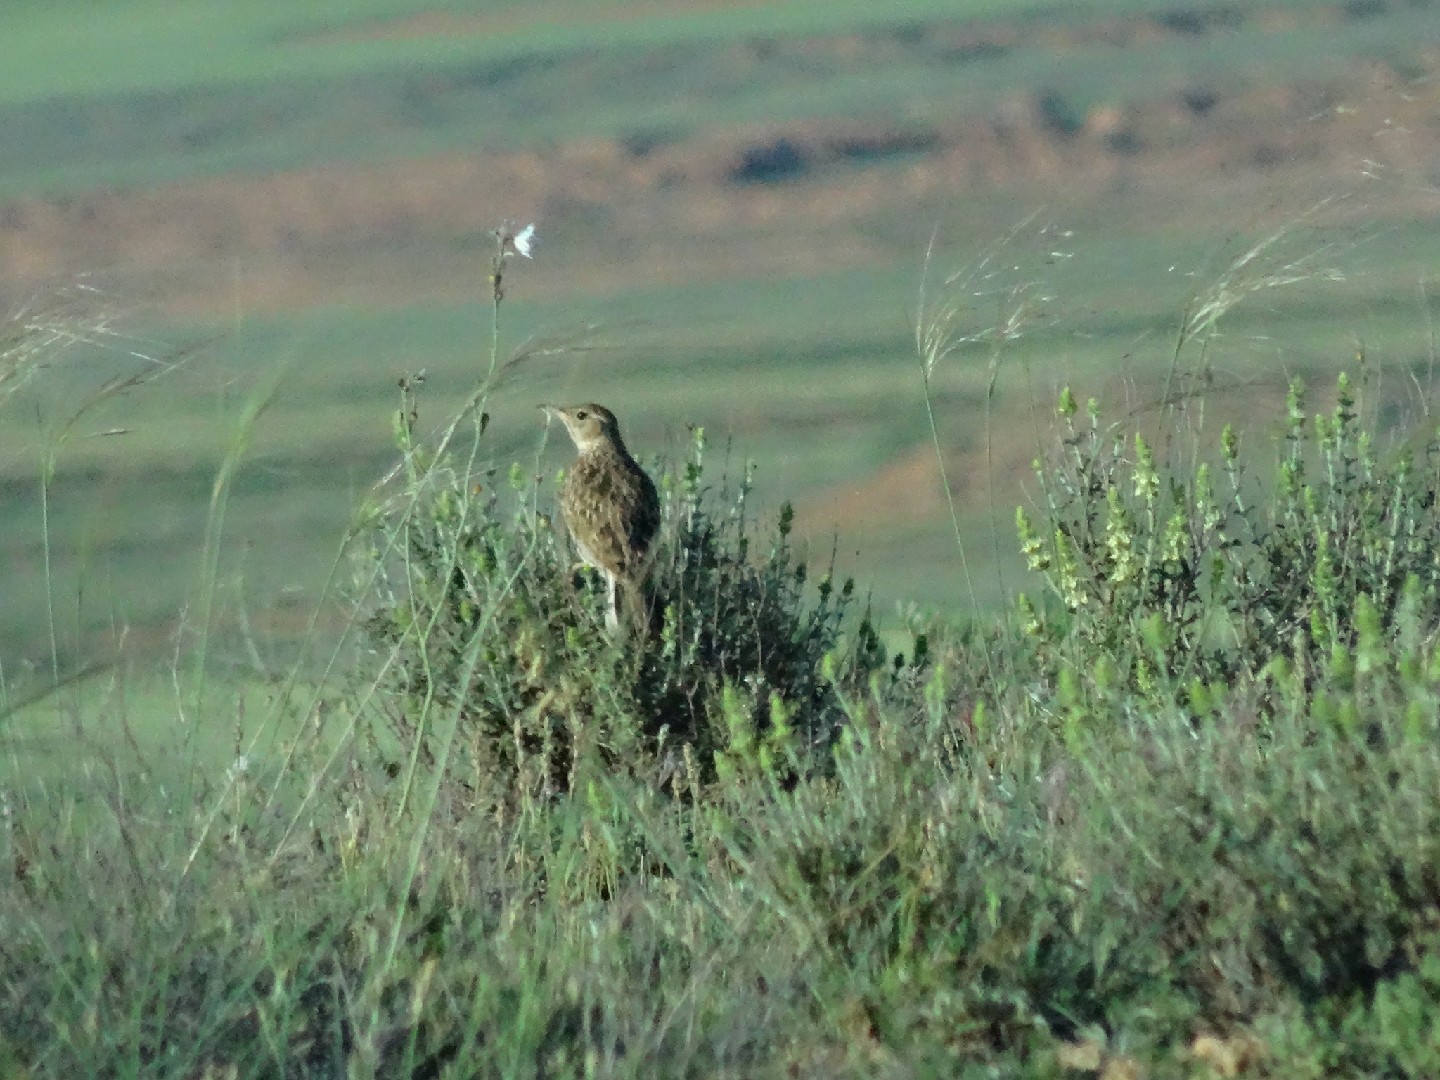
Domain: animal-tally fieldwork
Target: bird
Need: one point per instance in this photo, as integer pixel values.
(611, 509)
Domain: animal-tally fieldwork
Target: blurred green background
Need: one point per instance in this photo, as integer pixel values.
(292, 203)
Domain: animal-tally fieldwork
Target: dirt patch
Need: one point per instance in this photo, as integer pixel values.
(909, 491)
(902, 493)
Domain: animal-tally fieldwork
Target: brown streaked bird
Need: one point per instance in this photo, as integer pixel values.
(610, 507)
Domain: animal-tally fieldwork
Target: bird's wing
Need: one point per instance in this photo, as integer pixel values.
(642, 515)
(613, 515)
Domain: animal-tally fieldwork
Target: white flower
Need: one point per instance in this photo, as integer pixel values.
(524, 240)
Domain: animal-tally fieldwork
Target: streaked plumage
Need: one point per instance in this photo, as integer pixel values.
(611, 508)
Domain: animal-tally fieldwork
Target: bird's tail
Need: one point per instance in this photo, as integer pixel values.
(633, 610)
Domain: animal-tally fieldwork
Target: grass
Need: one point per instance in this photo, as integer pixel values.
(272, 41)
(245, 89)
(62, 740)
(409, 813)
(1070, 839)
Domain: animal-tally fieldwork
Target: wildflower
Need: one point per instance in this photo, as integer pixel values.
(1072, 589)
(1173, 547)
(1146, 479)
(1036, 557)
(508, 242)
(521, 243)
(525, 239)
(1029, 618)
(1120, 540)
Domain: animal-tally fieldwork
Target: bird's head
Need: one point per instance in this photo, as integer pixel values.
(589, 425)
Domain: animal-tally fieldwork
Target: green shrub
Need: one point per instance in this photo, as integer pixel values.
(483, 622)
(1178, 579)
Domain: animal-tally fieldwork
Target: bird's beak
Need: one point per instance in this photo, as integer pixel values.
(548, 410)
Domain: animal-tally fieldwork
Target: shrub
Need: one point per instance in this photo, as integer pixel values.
(482, 621)
(1173, 579)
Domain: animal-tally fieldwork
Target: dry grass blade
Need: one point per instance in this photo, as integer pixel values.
(940, 329)
(61, 328)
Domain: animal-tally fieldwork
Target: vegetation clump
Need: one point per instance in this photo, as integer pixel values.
(486, 632)
(1178, 579)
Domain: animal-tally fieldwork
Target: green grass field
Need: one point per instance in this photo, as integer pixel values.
(212, 43)
(272, 86)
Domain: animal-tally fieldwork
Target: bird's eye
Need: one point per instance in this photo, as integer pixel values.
(581, 415)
